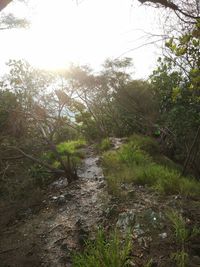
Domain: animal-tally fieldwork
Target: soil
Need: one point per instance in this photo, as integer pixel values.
(49, 233)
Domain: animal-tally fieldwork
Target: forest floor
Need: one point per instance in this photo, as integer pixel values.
(47, 235)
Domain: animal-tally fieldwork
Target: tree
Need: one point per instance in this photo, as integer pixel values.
(37, 116)
(183, 9)
(4, 3)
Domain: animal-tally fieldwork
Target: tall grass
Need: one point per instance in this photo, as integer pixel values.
(132, 164)
(105, 252)
(181, 235)
(105, 144)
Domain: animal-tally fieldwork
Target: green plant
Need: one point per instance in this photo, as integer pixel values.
(130, 153)
(105, 252)
(105, 144)
(70, 146)
(149, 263)
(181, 258)
(179, 226)
(130, 164)
(145, 143)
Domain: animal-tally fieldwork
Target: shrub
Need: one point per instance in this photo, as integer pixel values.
(111, 252)
(70, 146)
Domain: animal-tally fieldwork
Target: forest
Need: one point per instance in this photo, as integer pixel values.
(97, 168)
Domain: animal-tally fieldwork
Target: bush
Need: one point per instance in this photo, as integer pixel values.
(70, 146)
(111, 252)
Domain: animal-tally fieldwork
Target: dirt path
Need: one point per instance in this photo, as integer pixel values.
(70, 214)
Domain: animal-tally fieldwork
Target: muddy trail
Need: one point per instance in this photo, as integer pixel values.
(70, 214)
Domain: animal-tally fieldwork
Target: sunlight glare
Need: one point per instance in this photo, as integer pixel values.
(54, 35)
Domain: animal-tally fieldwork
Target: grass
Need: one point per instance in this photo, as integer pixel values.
(105, 144)
(105, 252)
(133, 164)
(181, 258)
(145, 143)
(182, 234)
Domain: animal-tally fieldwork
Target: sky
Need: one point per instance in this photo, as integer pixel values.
(87, 32)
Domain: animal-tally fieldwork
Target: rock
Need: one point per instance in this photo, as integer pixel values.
(195, 261)
(82, 236)
(60, 183)
(163, 235)
(131, 194)
(101, 185)
(59, 199)
(126, 220)
(65, 248)
(138, 231)
(111, 211)
(68, 196)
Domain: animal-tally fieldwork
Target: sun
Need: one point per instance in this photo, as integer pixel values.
(54, 36)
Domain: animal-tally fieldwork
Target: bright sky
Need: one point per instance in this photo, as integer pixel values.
(86, 33)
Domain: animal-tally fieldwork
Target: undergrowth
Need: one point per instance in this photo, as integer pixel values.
(105, 144)
(105, 252)
(182, 234)
(67, 149)
(134, 163)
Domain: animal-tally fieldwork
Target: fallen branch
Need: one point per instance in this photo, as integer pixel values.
(12, 158)
(9, 250)
(46, 165)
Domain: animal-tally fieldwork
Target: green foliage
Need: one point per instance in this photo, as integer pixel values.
(105, 252)
(131, 164)
(70, 147)
(131, 154)
(105, 144)
(182, 234)
(176, 82)
(145, 143)
(179, 226)
(69, 150)
(181, 258)
(149, 263)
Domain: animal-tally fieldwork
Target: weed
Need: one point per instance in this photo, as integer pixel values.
(179, 225)
(181, 258)
(149, 263)
(111, 252)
